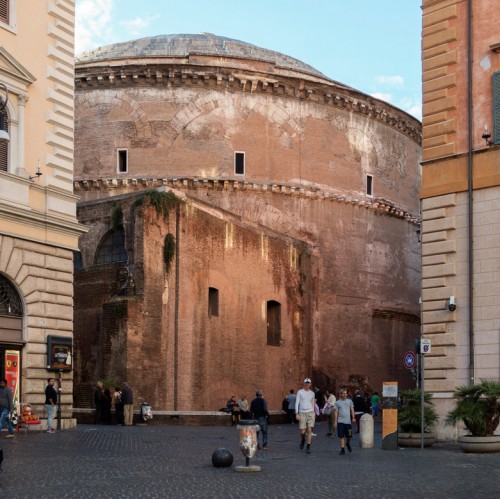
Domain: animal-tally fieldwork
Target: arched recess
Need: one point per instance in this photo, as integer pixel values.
(111, 249)
(11, 312)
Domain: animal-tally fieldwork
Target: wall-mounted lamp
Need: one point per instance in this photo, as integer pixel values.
(486, 136)
(38, 173)
(4, 136)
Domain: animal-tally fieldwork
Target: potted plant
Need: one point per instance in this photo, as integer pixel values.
(478, 407)
(410, 417)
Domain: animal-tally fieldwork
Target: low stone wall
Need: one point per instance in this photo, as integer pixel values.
(190, 418)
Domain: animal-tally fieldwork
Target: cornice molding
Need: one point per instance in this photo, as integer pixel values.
(378, 205)
(105, 77)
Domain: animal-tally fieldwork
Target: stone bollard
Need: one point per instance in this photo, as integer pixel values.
(366, 432)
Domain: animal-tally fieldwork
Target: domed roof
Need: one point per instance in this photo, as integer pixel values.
(182, 45)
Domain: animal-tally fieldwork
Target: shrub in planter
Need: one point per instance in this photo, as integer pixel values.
(410, 412)
(478, 407)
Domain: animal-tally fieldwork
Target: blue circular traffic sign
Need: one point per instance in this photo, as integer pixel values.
(409, 360)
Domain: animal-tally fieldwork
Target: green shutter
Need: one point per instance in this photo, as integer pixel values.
(496, 107)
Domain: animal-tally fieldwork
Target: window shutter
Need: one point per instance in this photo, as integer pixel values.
(4, 11)
(4, 146)
(496, 107)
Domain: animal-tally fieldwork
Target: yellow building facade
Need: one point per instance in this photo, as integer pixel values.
(460, 196)
(38, 226)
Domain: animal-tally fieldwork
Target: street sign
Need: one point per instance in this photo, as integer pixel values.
(425, 346)
(409, 360)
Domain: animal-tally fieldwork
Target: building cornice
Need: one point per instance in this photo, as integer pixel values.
(338, 96)
(378, 205)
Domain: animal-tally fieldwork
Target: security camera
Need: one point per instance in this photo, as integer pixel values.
(452, 306)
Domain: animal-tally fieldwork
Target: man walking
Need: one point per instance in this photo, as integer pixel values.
(292, 398)
(98, 396)
(304, 410)
(6, 407)
(344, 415)
(258, 411)
(128, 404)
(50, 404)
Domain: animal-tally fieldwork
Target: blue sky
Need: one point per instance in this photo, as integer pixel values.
(371, 45)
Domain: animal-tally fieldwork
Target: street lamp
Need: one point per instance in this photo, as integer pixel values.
(4, 136)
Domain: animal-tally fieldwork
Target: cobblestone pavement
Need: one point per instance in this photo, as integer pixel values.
(175, 461)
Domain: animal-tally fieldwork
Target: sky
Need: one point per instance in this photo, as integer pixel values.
(371, 45)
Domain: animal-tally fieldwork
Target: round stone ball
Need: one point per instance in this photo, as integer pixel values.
(222, 458)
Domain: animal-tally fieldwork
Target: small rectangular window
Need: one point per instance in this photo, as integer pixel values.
(369, 185)
(273, 323)
(122, 160)
(239, 163)
(213, 302)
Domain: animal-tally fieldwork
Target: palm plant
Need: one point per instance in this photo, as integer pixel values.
(410, 412)
(478, 407)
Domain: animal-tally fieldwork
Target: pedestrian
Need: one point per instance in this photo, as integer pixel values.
(50, 404)
(117, 401)
(243, 405)
(304, 410)
(106, 406)
(258, 411)
(6, 407)
(292, 398)
(98, 403)
(359, 407)
(329, 411)
(375, 405)
(232, 404)
(344, 415)
(128, 404)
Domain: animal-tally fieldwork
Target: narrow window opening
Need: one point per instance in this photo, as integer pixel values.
(213, 302)
(239, 163)
(273, 323)
(369, 185)
(122, 160)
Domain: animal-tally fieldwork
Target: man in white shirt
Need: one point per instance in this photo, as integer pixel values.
(304, 410)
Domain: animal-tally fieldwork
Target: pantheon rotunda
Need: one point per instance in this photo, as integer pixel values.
(251, 221)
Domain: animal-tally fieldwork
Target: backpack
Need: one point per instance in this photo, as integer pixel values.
(284, 405)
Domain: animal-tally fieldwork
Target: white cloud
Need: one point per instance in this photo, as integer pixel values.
(93, 24)
(382, 96)
(137, 25)
(390, 81)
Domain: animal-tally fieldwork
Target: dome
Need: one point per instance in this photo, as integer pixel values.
(183, 45)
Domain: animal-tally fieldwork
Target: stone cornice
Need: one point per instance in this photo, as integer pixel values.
(91, 78)
(379, 205)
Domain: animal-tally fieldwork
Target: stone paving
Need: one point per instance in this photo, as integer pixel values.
(175, 461)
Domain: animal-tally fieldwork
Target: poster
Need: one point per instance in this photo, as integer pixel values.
(59, 353)
(12, 370)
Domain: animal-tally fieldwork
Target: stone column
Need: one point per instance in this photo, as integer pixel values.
(21, 104)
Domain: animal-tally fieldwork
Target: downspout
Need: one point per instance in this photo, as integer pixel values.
(470, 194)
(176, 307)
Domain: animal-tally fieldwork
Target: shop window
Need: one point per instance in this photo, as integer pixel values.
(122, 159)
(112, 247)
(213, 302)
(369, 185)
(239, 163)
(10, 301)
(273, 323)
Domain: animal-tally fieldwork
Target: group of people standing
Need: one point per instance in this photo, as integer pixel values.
(120, 402)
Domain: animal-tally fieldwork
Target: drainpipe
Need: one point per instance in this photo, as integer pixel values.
(176, 307)
(470, 194)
